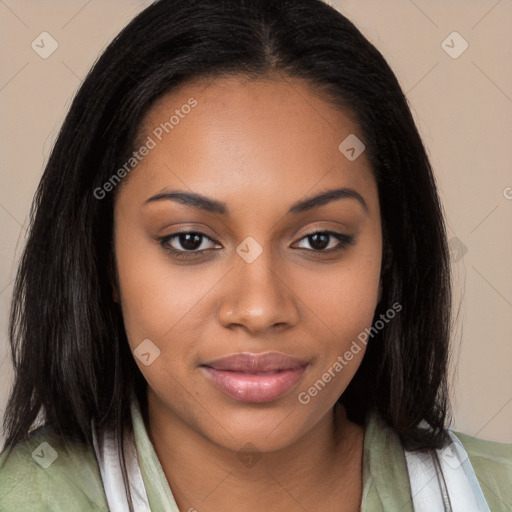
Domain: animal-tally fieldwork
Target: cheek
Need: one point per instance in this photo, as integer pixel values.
(341, 307)
(159, 307)
(342, 298)
(156, 298)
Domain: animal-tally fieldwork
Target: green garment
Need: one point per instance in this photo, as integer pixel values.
(73, 482)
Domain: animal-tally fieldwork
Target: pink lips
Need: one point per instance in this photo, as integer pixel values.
(255, 377)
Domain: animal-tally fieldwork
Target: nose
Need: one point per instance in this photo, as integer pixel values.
(258, 296)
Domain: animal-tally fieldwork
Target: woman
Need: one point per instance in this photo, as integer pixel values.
(236, 294)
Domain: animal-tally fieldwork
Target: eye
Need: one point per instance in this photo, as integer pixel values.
(186, 244)
(327, 241)
(193, 244)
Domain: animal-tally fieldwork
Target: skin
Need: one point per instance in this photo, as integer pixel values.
(259, 146)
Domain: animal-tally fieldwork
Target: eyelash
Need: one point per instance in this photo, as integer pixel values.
(344, 242)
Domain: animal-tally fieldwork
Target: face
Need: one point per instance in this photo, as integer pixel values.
(248, 251)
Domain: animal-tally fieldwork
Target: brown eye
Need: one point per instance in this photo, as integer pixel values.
(186, 243)
(327, 241)
(190, 241)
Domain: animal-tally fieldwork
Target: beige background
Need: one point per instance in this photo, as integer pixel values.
(463, 108)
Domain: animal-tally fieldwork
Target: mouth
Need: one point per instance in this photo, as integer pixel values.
(255, 378)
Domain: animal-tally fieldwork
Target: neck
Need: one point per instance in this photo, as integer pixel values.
(324, 467)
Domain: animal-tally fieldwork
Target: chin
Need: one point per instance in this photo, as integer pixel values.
(268, 427)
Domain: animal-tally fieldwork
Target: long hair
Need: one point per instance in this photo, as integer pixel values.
(70, 352)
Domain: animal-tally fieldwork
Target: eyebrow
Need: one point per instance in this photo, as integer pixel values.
(212, 205)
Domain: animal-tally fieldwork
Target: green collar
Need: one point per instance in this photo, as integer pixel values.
(385, 477)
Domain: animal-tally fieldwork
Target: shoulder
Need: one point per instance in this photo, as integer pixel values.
(45, 473)
(492, 463)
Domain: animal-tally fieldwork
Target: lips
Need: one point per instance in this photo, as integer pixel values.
(246, 362)
(255, 378)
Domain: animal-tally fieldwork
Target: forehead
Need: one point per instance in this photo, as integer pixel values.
(250, 135)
